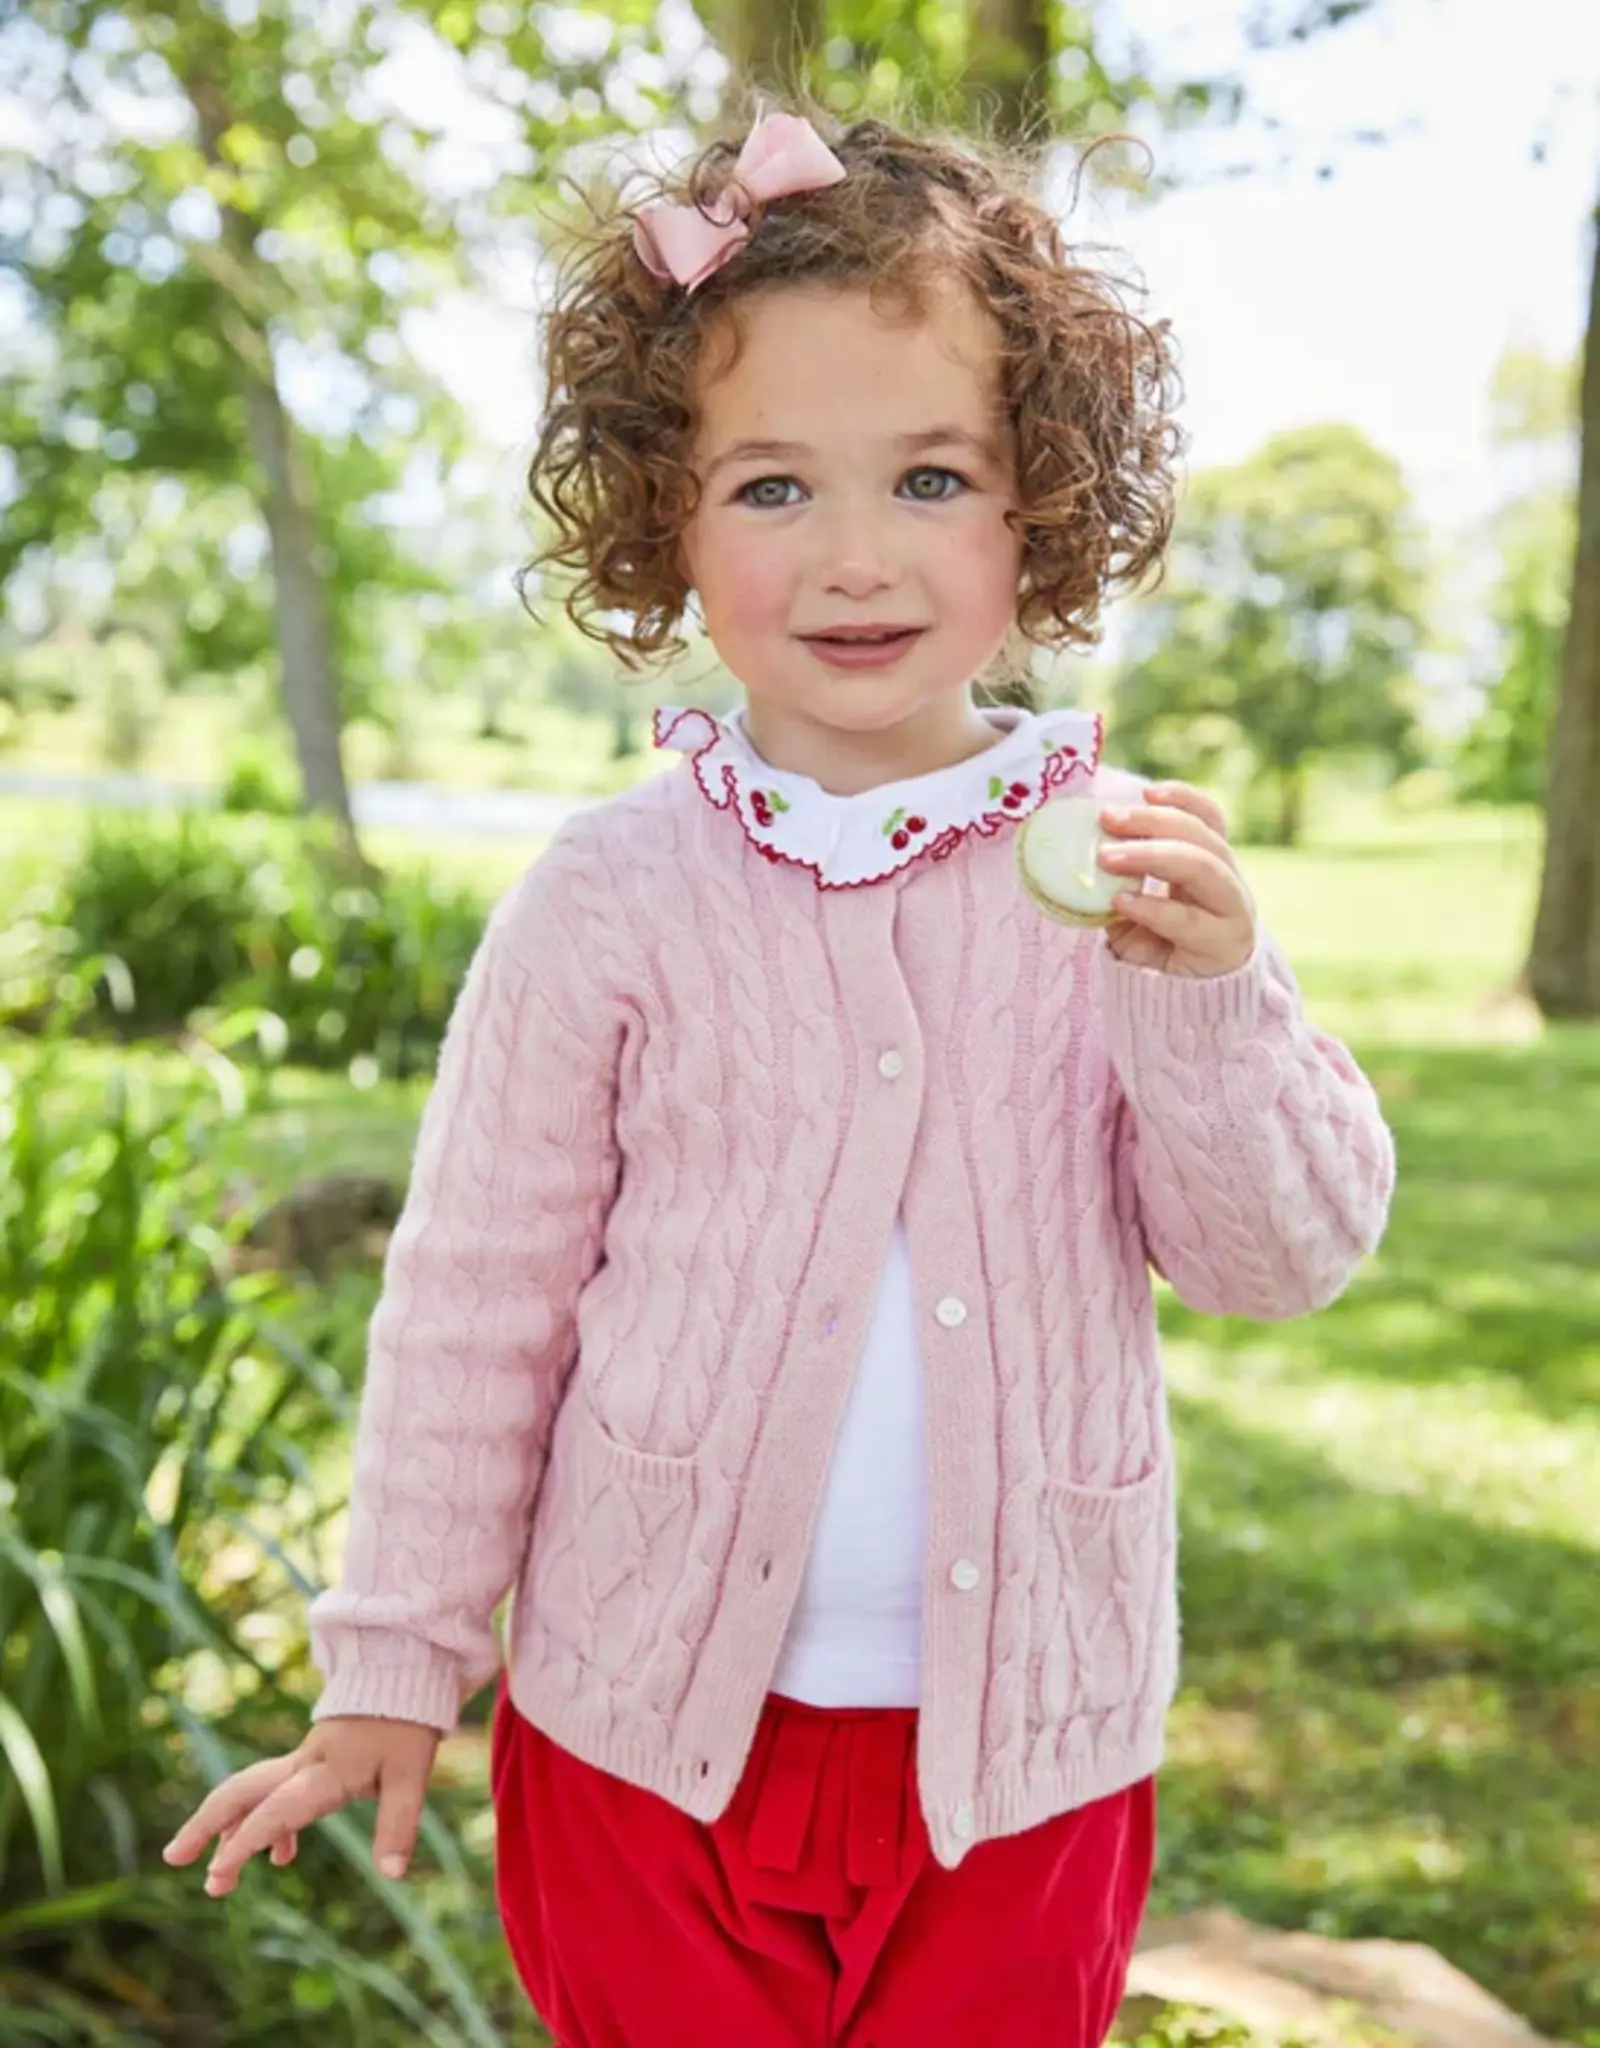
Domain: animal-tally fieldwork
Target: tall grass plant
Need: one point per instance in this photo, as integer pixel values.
(163, 1444)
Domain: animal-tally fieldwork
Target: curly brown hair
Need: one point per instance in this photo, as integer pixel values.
(1089, 387)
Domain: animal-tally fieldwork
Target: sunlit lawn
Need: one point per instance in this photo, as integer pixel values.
(1390, 1721)
(547, 746)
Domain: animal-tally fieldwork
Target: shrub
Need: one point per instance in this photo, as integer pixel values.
(172, 900)
(210, 914)
(357, 974)
(160, 1503)
(261, 781)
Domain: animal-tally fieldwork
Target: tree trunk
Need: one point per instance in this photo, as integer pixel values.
(1009, 77)
(300, 606)
(769, 42)
(1564, 964)
(309, 673)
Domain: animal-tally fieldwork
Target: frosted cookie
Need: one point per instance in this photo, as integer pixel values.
(1058, 859)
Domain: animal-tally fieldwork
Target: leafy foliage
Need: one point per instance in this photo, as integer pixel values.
(220, 225)
(1288, 623)
(259, 782)
(1505, 756)
(155, 129)
(161, 1506)
(206, 914)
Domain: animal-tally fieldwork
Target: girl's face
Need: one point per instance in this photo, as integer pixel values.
(855, 473)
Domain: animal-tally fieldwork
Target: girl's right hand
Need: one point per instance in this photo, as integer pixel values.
(344, 1758)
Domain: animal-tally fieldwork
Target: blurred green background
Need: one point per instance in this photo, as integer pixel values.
(274, 730)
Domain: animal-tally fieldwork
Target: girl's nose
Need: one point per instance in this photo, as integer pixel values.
(859, 577)
(857, 560)
(859, 572)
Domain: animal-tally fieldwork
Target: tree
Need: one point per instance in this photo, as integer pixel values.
(1503, 757)
(1563, 967)
(1564, 962)
(165, 309)
(1288, 622)
(220, 198)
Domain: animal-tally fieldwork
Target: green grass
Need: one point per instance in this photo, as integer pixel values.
(1407, 930)
(1390, 1720)
(547, 746)
(1390, 1723)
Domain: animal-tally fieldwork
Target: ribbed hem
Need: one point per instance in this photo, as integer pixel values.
(1147, 1000)
(703, 1787)
(423, 1686)
(635, 1751)
(1014, 1803)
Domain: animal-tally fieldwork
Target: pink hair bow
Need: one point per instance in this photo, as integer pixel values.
(783, 153)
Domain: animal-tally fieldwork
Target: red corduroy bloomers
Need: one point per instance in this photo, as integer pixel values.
(813, 1911)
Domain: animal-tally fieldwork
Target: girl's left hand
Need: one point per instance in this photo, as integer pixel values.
(1206, 924)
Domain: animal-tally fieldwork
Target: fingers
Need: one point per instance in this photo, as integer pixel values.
(1170, 821)
(1184, 928)
(1182, 796)
(284, 1850)
(401, 1794)
(1193, 941)
(313, 1791)
(266, 1807)
(1135, 946)
(228, 1805)
(1212, 884)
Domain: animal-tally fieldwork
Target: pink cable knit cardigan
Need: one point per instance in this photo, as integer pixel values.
(651, 1202)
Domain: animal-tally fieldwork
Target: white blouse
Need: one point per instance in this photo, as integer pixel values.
(855, 1639)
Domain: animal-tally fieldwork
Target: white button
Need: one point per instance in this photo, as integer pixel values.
(964, 1575)
(951, 1313)
(891, 1066)
(962, 1824)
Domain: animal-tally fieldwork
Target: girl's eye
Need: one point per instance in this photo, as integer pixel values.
(765, 492)
(938, 478)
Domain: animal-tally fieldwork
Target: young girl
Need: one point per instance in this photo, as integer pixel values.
(771, 1307)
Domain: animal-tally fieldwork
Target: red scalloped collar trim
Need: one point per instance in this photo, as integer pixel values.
(697, 734)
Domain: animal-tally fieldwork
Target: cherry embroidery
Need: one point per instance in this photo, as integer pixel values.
(764, 803)
(1011, 798)
(900, 830)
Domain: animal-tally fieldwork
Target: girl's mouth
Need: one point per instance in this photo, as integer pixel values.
(863, 650)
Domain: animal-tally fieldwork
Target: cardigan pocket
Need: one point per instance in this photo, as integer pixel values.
(1112, 1560)
(609, 1542)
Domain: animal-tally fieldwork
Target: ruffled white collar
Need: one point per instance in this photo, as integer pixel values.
(849, 842)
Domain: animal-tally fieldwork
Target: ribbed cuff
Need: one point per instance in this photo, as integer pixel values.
(1145, 1002)
(399, 1681)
